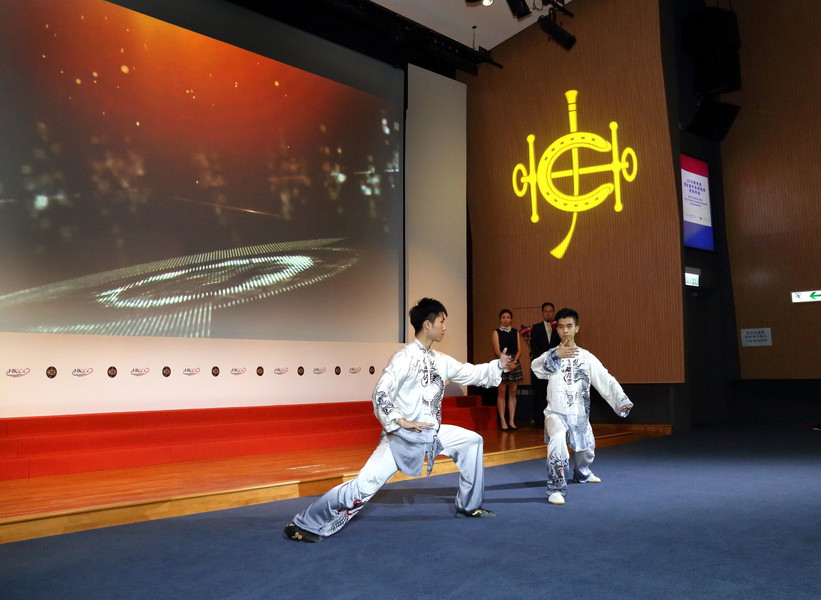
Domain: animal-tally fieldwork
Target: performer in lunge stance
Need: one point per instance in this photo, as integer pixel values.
(407, 401)
(570, 372)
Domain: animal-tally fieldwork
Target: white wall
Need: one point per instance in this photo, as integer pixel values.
(436, 217)
(436, 266)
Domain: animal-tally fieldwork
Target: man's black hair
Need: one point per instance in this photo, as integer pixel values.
(427, 309)
(566, 313)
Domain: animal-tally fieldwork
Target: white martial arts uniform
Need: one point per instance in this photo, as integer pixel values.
(567, 416)
(411, 387)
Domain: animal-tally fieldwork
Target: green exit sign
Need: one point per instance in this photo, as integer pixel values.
(811, 296)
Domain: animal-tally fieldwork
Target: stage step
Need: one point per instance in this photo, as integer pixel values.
(42, 506)
(43, 446)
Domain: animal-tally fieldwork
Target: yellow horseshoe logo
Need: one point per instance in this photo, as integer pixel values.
(542, 177)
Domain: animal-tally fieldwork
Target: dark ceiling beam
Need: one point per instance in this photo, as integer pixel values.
(375, 31)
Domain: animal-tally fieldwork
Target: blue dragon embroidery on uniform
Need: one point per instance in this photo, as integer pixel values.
(573, 373)
(434, 390)
(384, 403)
(556, 470)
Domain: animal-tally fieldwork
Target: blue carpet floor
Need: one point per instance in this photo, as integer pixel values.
(718, 513)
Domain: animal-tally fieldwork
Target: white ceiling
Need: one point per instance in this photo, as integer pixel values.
(456, 19)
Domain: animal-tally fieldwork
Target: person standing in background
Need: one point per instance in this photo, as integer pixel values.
(543, 337)
(507, 337)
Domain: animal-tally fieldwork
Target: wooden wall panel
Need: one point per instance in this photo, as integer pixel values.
(622, 270)
(772, 176)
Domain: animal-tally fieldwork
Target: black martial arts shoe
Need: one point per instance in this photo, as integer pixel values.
(292, 532)
(479, 513)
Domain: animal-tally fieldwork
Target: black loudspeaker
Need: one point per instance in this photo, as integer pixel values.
(519, 8)
(718, 73)
(713, 119)
(711, 36)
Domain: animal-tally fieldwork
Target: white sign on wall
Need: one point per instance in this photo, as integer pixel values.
(759, 336)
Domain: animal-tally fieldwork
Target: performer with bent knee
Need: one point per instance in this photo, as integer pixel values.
(408, 403)
(570, 372)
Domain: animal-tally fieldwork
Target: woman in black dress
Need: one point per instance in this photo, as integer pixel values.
(506, 336)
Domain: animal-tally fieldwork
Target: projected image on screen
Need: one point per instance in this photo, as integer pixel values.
(155, 181)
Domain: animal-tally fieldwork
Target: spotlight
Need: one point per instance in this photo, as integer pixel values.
(519, 8)
(556, 33)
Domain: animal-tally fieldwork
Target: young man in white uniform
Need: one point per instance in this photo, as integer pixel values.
(407, 401)
(570, 372)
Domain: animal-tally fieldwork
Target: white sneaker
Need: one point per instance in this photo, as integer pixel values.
(556, 498)
(592, 479)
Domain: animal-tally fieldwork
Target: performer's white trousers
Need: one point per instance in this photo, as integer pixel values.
(335, 508)
(561, 464)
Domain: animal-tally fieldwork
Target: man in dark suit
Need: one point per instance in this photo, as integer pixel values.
(543, 337)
